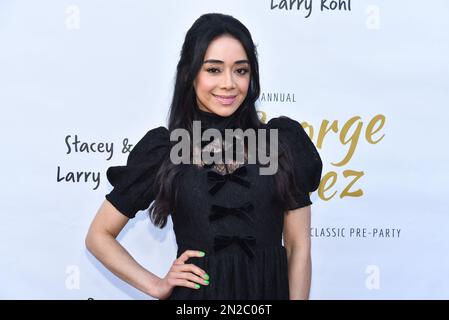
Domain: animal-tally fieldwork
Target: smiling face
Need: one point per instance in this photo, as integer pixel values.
(222, 83)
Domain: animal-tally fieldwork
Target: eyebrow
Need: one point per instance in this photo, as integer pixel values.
(222, 62)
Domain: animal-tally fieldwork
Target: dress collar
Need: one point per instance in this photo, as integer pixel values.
(213, 120)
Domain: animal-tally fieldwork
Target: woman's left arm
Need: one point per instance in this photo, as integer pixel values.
(297, 244)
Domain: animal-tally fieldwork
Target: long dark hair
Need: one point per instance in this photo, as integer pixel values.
(182, 109)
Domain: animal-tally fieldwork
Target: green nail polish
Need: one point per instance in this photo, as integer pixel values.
(197, 286)
(206, 276)
(206, 282)
(202, 253)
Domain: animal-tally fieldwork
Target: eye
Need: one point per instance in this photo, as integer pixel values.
(212, 70)
(243, 71)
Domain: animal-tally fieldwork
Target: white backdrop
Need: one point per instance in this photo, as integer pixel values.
(102, 72)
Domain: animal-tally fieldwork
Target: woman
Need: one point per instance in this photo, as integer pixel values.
(228, 219)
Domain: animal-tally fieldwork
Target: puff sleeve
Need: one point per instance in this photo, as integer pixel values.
(134, 182)
(307, 164)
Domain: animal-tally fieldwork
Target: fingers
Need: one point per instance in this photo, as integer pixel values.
(188, 254)
(193, 281)
(175, 282)
(191, 272)
(194, 278)
(188, 275)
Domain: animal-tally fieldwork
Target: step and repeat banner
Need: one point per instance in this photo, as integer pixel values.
(82, 81)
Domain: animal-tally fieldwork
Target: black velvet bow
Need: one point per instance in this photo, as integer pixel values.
(216, 181)
(245, 242)
(220, 211)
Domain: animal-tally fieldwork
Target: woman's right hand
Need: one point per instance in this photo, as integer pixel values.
(182, 274)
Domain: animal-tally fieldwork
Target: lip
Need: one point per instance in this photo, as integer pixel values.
(225, 100)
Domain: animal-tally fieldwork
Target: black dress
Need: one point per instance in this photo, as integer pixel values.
(232, 216)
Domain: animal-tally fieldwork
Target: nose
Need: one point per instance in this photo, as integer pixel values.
(228, 80)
